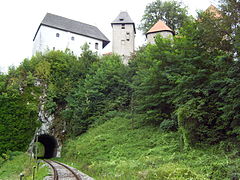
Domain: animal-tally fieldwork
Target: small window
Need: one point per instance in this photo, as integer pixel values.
(53, 48)
(96, 46)
(128, 36)
(123, 26)
(72, 38)
(57, 35)
(121, 19)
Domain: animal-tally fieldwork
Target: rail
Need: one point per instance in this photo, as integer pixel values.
(55, 171)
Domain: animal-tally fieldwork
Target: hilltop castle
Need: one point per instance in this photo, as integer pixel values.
(60, 33)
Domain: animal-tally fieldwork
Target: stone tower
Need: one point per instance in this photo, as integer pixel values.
(123, 36)
(159, 28)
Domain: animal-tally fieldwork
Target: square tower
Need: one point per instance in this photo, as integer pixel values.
(123, 36)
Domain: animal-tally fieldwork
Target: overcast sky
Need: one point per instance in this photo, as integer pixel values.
(20, 19)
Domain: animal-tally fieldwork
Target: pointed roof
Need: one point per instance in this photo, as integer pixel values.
(73, 26)
(158, 27)
(124, 18)
(213, 10)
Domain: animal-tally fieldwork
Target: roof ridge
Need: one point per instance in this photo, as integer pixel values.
(73, 26)
(69, 19)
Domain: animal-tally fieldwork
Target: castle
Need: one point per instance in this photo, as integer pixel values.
(60, 33)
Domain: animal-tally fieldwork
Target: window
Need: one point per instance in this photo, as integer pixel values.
(121, 19)
(72, 38)
(128, 36)
(53, 48)
(57, 35)
(123, 26)
(96, 46)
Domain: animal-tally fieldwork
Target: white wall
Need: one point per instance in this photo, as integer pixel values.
(164, 34)
(46, 40)
(120, 45)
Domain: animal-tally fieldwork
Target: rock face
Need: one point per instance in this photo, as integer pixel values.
(45, 134)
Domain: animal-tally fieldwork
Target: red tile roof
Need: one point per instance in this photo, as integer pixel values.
(213, 10)
(159, 26)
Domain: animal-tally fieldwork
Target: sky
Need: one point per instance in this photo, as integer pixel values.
(19, 20)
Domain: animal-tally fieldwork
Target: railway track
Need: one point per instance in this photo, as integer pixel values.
(62, 172)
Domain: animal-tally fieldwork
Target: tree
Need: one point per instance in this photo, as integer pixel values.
(18, 109)
(105, 88)
(18, 120)
(153, 83)
(231, 20)
(172, 12)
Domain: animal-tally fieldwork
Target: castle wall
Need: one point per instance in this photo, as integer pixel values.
(47, 39)
(164, 34)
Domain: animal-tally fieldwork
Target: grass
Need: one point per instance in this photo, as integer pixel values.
(41, 172)
(11, 169)
(122, 148)
(22, 163)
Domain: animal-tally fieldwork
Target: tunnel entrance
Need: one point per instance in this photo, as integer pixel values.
(50, 145)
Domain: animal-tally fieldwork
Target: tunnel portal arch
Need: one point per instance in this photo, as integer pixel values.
(50, 144)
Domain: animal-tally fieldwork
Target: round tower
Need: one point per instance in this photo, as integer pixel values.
(159, 28)
(123, 36)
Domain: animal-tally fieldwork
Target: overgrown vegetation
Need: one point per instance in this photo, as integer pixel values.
(124, 148)
(15, 163)
(174, 104)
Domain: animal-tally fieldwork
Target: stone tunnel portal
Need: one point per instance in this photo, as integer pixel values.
(50, 145)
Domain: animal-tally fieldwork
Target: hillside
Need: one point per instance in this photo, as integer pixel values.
(171, 113)
(122, 148)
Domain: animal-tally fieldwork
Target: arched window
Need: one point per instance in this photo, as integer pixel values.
(57, 35)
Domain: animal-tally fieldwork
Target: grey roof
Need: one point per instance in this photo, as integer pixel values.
(123, 18)
(72, 26)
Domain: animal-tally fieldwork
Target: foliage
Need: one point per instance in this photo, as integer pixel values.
(182, 95)
(124, 148)
(66, 71)
(231, 19)
(19, 162)
(105, 88)
(44, 79)
(188, 79)
(14, 166)
(231, 95)
(212, 33)
(173, 13)
(18, 110)
(152, 82)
